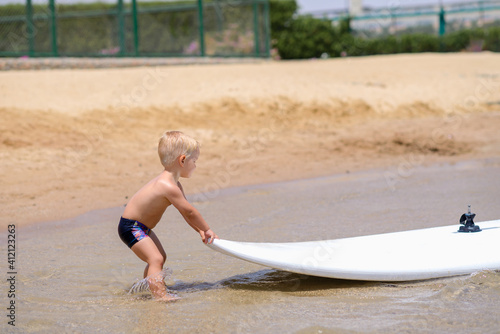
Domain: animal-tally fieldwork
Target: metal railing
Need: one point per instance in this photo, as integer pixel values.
(391, 19)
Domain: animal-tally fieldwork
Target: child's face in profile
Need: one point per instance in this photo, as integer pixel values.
(189, 166)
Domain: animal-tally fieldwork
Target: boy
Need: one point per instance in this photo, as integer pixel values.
(178, 154)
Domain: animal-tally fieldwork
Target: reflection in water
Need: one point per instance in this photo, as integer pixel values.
(282, 281)
(270, 280)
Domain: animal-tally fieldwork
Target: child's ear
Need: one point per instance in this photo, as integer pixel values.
(182, 160)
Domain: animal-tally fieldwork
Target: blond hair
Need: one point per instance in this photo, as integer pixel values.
(174, 144)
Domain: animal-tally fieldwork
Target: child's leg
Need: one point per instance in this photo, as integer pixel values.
(148, 251)
(158, 244)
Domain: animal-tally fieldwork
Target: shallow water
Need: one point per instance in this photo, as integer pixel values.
(74, 275)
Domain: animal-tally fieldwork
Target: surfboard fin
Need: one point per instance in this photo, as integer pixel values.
(467, 219)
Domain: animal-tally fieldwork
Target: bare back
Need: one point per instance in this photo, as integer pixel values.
(149, 203)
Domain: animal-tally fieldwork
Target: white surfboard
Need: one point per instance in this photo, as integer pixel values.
(400, 256)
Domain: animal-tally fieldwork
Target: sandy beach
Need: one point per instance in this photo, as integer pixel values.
(83, 139)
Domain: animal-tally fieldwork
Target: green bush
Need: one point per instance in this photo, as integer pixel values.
(281, 15)
(419, 43)
(492, 40)
(347, 44)
(456, 41)
(306, 37)
(298, 37)
(345, 25)
(384, 45)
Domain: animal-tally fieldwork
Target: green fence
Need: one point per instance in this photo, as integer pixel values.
(135, 28)
(428, 19)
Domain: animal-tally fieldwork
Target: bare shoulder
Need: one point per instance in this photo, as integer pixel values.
(168, 186)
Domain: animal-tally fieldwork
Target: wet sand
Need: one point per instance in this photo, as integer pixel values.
(74, 275)
(77, 140)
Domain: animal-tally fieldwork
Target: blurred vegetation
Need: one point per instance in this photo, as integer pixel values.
(308, 37)
(228, 31)
(281, 16)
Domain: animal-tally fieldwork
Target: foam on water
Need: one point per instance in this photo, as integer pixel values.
(143, 284)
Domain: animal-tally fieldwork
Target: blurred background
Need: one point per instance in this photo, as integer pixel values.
(280, 29)
(134, 28)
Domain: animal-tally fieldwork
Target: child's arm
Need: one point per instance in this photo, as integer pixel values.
(175, 195)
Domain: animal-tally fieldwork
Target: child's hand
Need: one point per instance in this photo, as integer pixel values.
(208, 236)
